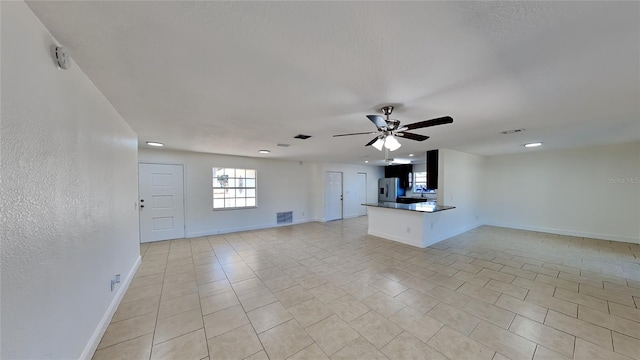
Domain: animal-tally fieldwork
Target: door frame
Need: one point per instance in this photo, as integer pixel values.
(184, 197)
(341, 194)
(366, 197)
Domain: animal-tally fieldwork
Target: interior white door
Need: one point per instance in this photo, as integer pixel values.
(362, 193)
(333, 196)
(161, 192)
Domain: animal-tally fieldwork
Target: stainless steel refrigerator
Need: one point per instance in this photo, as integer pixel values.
(389, 189)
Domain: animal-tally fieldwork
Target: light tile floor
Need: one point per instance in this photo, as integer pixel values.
(328, 290)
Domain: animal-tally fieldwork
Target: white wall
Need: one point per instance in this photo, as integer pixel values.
(568, 191)
(351, 203)
(282, 186)
(460, 179)
(69, 179)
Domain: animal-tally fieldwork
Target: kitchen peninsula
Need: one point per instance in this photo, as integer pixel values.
(419, 224)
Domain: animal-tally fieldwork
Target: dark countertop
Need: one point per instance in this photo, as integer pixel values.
(427, 206)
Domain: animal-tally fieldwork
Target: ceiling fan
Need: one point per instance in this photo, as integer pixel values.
(389, 129)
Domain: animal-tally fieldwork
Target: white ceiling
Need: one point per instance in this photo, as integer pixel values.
(236, 77)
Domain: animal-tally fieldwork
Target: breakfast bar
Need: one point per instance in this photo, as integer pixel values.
(420, 224)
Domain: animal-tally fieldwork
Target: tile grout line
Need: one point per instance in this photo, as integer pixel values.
(164, 274)
(392, 263)
(199, 302)
(243, 309)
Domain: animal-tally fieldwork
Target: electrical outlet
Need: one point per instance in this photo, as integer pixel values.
(476, 217)
(431, 225)
(408, 230)
(117, 278)
(303, 213)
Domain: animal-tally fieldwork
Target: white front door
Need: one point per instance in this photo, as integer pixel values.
(362, 193)
(161, 192)
(333, 196)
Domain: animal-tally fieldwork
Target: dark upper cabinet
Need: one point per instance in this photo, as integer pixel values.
(432, 169)
(391, 171)
(404, 172)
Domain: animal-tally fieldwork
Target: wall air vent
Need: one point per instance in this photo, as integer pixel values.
(511, 131)
(302, 137)
(284, 145)
(284, 217)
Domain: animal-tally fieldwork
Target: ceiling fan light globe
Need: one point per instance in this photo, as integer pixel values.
(391, 143)
(378, 144)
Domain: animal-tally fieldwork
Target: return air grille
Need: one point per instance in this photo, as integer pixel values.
(508, 132)
(284, 217)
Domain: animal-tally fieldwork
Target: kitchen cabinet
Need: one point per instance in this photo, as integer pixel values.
(432, 169)
(403, 172)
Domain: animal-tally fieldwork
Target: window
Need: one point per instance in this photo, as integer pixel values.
(420, 181)
(234, 188)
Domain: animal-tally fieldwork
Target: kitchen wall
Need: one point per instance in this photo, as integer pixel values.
(282, 186)
(592, 192)
(460, 180)
(69, 189)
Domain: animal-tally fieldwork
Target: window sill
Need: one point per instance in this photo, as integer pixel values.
(236, 208)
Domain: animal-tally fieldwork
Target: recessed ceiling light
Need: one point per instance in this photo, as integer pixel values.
(366, 161)
(264, 151)
(154, 143)
(410, 154)
(535, 144)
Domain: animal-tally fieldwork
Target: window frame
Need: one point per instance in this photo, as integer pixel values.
(416, 182)
(219, 171)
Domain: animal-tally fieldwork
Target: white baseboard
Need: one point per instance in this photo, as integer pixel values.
(567, 232)
(94, 341)
(244, 228)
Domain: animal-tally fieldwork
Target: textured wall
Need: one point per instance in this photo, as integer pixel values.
(460, 185)
(351, 203)
(282, 186)
(69, 183)
(592, 192)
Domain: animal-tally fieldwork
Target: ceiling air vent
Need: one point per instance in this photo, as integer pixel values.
(302, 137)
(284, 145)
(511, 131)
